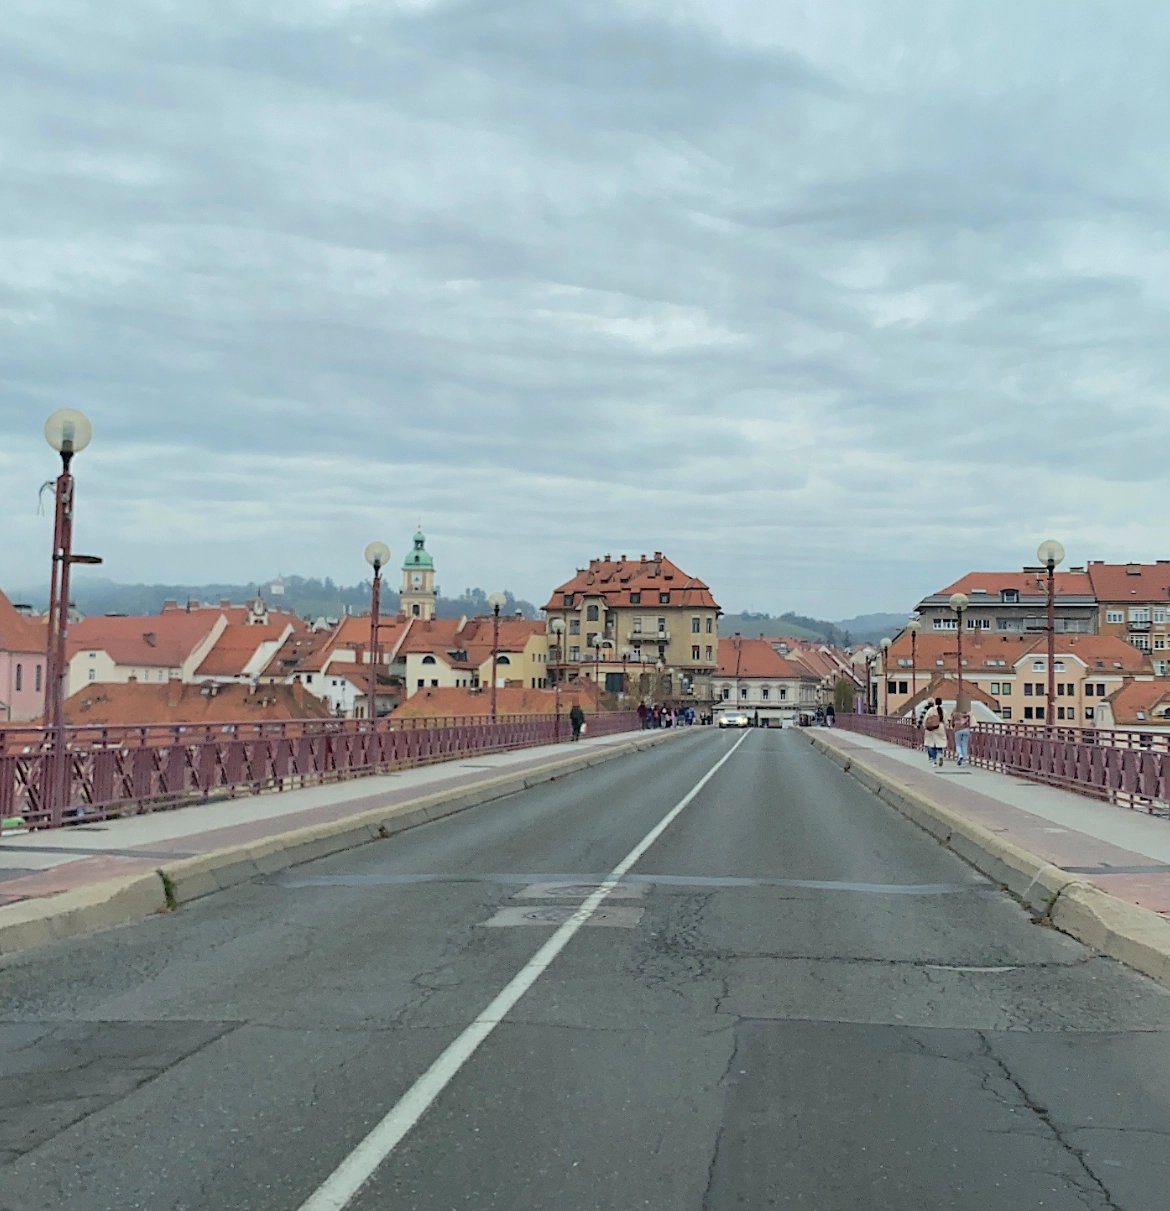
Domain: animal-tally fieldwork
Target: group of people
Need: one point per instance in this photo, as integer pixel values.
(934, 726)
(664, 716)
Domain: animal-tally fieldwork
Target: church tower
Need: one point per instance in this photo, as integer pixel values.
(419, 594)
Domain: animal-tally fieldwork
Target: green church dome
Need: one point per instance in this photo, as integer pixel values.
(419, 557)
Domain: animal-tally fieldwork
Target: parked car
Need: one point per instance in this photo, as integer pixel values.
(735, 719)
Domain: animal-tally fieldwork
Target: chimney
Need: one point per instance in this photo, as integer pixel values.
(225, 603)
(170, 604)
(174, 692)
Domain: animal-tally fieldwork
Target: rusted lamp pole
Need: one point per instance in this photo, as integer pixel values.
(958, 603)
(1050, 553)
(495, 600)
(913, 626)
(68, 432)
(377, 556)
(885, 647)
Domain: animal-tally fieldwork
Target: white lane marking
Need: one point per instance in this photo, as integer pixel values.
(558, 914)
(335, 1193)
(579, 891)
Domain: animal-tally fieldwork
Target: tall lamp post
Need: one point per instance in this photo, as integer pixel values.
(885, 647)
(557, 626)
(68, 432)
(913, 626)
(1050, 553)
(958, 603)
(495, 600)
(377, 556)
(868, 655)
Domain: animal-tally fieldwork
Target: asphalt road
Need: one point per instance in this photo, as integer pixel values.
(791, 999)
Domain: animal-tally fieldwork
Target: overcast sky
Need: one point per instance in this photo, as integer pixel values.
(829, 301)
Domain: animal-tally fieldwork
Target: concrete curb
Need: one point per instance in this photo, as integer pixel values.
(1132, 935)
(85, 910)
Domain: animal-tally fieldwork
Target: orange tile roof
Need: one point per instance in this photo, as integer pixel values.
(19, 633)
(138, 702)
(1035, 583)
(982, 646)
(755, 658)
(510, 700)
(615, 579)
(236, 647)
(151, 640)
(1130, 582)
(299, 652)
(1149, 698)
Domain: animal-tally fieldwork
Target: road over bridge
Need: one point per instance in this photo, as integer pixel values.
(714, 974)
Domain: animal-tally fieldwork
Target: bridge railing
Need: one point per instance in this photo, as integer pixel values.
(114, 771)
(1126, 766)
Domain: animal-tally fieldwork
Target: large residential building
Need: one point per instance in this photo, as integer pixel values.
(622, 618)
(1133, 603)
(23, 641)
(1010, 603)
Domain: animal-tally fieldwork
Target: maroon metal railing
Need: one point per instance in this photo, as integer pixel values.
(1122, 765)
(113, 771)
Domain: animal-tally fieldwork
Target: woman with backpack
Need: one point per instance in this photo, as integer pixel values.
(934, 732)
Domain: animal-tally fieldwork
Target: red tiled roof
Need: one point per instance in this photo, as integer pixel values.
(152, 640)
(140, 702)
(1065, 584)
(755, 658)
(510, 700)
(236, 647)
(981, 646)
(1130, 582)
(615, 579)
(1150, 698)
(19, 633)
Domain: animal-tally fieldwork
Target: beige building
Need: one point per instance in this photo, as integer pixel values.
(639, 627)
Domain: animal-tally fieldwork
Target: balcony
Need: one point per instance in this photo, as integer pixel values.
(1138, 626)
(648, 636)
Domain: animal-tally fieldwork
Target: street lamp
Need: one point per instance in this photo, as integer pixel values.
(913, 626)
(68, 432)
(1050, 553)
(958, 603)
(885, 647)
(557, 626)
(377, 556)
(495, 600)
(869, 654)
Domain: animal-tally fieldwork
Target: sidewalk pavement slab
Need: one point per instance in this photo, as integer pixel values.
(66, 882)
(1095, 871)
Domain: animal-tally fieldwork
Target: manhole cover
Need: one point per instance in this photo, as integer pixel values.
(580, 891)
(559, 914)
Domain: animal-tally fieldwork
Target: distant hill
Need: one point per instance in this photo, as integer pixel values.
(307, 597)
(865, 628)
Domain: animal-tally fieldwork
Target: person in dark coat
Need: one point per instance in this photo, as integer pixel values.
(577, 720)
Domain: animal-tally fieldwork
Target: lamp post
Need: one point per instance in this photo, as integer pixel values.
(1050, 553)
(958, 603)
(885, 647)
(913, 626)
(377, 556)
(68, 432)
(557, 626)
(495, 600)
(869, 654)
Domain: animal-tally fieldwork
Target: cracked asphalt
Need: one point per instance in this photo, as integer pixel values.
(818, 1008)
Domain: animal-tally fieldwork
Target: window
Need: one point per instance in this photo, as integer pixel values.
(92, 675)
(591, 613)
(710, 625)
(1029, 712)
(574, 653)
(1027, 689)
(1159, 613)
(783, 693)
(764, 694)
(1038, 686)
(664, 598)
(944, 624)
(1060, 712)
(503, 660)
(694, 651)
(637, 626)
(591, 638)
(1088, 712)
(1160, 642)
(19, 676)
(635, 599)
(1114, 615)
(428, 660)
(421, 683)
(661, 626)
(710, 654)
(1139, 613)
(1005, 712)
(978, 624)
(725, 692)
(743, 691)
(568, 599)
(434, 681)
(1141, 642)
(1005, 688)
(995, 687)
(696, 625)
(1012, 595)
(574, 626)
(38, 678)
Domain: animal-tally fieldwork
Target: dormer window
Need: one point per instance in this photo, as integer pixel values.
(1010, 595)
(664, 599)
(635, 598)
(568, 599)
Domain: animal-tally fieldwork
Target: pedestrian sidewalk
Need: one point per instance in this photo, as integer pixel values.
(37, 866)
(1124, 852)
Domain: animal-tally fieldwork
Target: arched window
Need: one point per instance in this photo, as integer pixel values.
(591, 614)
(429, 660)
(502, 660)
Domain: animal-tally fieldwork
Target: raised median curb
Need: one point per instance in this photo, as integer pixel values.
(1135, 936)
(31, 923)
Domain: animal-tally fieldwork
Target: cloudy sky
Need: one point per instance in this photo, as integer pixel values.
(830, 301)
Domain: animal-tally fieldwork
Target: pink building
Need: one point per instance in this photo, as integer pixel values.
(22, 664)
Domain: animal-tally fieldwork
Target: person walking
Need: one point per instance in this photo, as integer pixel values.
(577, 720)
(934, 732)
(830, 715)
(961, 729)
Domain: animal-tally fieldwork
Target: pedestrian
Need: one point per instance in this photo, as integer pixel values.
(830, 715)
(934, 732)
(961, 729)
(577, 720)
(644, 715)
